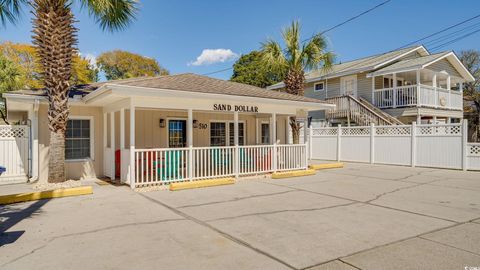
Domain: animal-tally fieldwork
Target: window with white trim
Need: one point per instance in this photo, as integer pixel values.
(320, 86)
(78, 139)
(265, 136)
(218, 134)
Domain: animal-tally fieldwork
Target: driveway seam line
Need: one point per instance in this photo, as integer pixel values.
(222, 233)
(447, 245)
(238, 199)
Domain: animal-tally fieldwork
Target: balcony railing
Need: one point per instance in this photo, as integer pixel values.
(418, 96)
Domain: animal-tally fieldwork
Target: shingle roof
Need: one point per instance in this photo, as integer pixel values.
(411, 63)
(186, 82)
(355, 65)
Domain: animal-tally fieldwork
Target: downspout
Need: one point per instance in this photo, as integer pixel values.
(33, 178)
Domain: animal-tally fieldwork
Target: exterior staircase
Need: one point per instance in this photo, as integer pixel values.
(359, 111)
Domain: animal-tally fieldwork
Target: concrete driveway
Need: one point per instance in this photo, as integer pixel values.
(358, 217)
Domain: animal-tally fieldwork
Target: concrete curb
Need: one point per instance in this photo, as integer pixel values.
(201, 183)
(38, 195)
(280, 175)
(326, 166)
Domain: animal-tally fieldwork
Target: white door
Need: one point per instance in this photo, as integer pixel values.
(348, 85)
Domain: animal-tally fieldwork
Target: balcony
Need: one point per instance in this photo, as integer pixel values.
(418, 96)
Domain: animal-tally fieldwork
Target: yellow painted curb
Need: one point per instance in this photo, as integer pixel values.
(326, 166)
(202, 183)
(38, 195)
(280, 175)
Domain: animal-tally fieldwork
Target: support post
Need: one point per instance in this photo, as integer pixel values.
(449, 92)
(418, 88)
(373, 90)
(306, 141)
(434, 119)
(339, 143)
(132, 145)
(190, 143)
(394, 90)
(235, 141)
(112, 144)
(105, 123)
(413, 133)
(372, 143)
(434, 84)
(419, 119)
(34, 157)
(464, 144)
(274, 139)
(122, 142)
(310, 135)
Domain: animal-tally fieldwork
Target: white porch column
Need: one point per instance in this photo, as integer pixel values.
(434, 120)
(419, 119)
(373, 90)
(274, 139)
(112, 144)
(418, 88)
(306, 140)
(235, 141)
(434, 84)
(122, 129)
(449, 92)
(449, 120)
(460, 87)
(394, 90)
(105, 123)
(190, 143)
(132, 145)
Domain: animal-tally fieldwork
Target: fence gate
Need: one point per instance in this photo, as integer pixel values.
(14, 152)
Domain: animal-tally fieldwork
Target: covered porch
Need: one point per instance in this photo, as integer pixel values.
(161, 137)
(433, 81)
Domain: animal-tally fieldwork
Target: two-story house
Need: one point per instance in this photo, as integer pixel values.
(396, 87)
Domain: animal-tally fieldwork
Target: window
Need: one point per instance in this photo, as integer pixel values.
(241, 134)
(177, 133)
(218, 134)
(78, 139)
(319, 86)
(265, 139)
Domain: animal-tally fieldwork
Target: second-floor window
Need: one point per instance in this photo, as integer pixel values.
(319, 86)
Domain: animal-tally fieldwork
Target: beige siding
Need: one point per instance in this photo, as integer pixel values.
(364, 86)
(74, 170)
(147, 132)
(444, 65)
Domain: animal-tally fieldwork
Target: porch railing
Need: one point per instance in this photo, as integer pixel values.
(168, 165)
(418, 95)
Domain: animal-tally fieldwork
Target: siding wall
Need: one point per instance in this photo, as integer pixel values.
(442, 65)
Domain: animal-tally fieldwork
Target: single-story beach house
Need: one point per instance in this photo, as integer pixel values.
(158, 130)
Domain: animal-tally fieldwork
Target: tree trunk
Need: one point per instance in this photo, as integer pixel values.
(295, 130)
(54, 37)
(56, 161)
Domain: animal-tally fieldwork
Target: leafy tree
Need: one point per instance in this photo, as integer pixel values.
(26, 59)
(295, 60)
(471, 90)
(249, 69)
(10, 79)
(54, 36)
(119, 64)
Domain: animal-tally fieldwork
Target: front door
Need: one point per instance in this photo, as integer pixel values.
(177, 133)
(348, 85)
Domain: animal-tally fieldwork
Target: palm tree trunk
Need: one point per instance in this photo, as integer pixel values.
(55, 38)
(294, 83)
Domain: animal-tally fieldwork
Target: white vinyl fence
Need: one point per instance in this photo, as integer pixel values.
(438, 146)
(168, 165)
(14, 151)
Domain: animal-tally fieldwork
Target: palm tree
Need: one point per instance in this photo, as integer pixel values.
(54, 36)
(295, 60)
(10, 80)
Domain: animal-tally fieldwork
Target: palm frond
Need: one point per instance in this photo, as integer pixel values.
(314, 54)
(273, 56)
(291, 36)
(10, 10)
(112, 15)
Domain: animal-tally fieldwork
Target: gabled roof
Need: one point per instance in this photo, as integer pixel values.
(423, 62)
(360, 65)
(186, 82)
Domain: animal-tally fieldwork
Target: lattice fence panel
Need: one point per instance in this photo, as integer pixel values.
(474, 149)
(356, 131)
(324, 132)
(8, 132)
(439, 130)
(393, 131)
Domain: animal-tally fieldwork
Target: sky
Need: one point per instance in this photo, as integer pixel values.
(207, 36)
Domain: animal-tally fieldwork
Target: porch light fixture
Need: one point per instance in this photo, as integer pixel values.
(195, 123)
(162, 122)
